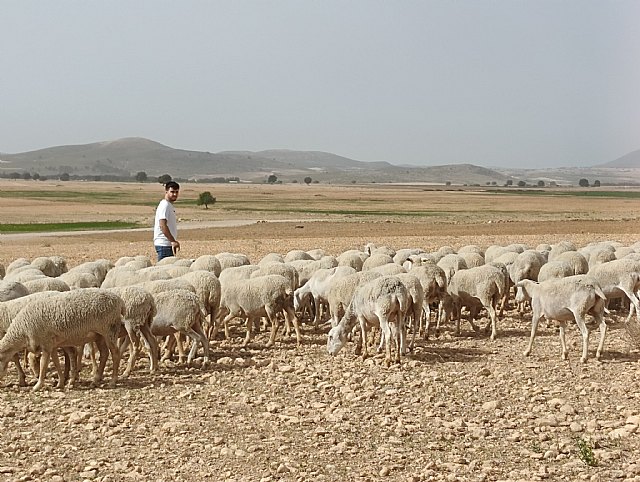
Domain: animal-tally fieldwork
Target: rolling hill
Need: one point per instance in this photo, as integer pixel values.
(128, 156)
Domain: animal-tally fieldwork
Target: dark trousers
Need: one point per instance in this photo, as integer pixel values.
(164, 251)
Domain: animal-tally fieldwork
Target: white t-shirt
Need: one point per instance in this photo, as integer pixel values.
(165, 210)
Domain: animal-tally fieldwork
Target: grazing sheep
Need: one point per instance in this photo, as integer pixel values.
(139, 311)
(476, 287)
(68, 319)
(236, 273)
(353, 257)
(160, 285)
(388, 269)
(405, 253)
(271, 258)
(10, 290)
(46, 284)
(282, 269)
(51, 266)
(180, 311)
(264, 296)
(559, 248)
(434, 283)
(575, 259)
(565, 299)
(416, 302)
(472, 259)
(450, 264)
(317, 253)
(229, 260)
(341, 290)
(307, 268)
(24, 273)
(376, 260)
(124, 276)
(619, 278)
(79, 279)
(471, 248)
(317, 289)
(381, 303)
(208, 289)
(297, 254)
(371, 248)
(526, 266)
(556, 269)
(99, 268)
(9, 310)
(17, 263)
(207, 262)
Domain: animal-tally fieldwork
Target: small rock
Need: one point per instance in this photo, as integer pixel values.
(285, 368)
(492, 405)
(225, 360)
(79, 417)
(576, 427)
(384, 471)
(567, 410)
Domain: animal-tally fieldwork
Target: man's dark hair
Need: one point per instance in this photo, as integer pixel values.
(171, 185)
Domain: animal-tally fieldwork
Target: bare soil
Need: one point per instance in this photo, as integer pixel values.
(457, 409)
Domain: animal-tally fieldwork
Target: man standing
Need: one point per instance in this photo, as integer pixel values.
(165, 230)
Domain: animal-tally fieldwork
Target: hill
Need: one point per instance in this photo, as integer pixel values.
(126, 157)
(628, 161)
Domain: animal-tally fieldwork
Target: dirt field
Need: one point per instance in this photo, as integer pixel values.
(457, 409)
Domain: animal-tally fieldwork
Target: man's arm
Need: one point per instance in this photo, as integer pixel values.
(175, 244)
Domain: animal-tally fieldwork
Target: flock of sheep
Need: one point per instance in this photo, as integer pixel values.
(47, 309)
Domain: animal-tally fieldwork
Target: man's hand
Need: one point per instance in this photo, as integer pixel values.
(175, 247)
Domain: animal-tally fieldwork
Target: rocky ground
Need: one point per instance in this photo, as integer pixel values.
(457, 409)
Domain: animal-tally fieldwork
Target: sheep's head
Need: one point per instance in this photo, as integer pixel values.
(336, 339)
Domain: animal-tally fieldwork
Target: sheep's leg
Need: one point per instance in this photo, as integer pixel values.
(363, 337)
(22, 377)
(104, 354)
(562, 328)
(494, 320)
(153, 348)
(534, 326)
(196, 333)
(634, 302)
(291, 315)
(44, 364)
(273, 318)
(133, 340)
(61, 371)
(169, 345)
(387, 339)
(181, 355)
(247, 338)
(73, 365)
(112, 344)
(603, 332)
(584, 331)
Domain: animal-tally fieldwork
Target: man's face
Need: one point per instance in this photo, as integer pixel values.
(171, 194)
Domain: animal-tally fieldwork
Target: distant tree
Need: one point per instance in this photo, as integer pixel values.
(165, 178)
(205, 198)
(583, 182)
(488, 183)
(43, 178)
(64, 176)
(272, 179)
(141, 176)
(307, 180)
(541, 183)
(553, 183)
(14, 175)
(494, 183)
(447, 183)
(35, 176)
(596, 183)
(521, 184)
(509, 182)
(26, 176)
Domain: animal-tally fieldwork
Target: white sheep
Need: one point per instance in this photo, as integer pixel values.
(25, 273)
(99, 268)
(560, 247)
(353, 257)
(17, 263)
(434, 283)
(380, 303)
(46, 284)
(207, 262)
(271, 258)
(50, 265)
(228, 260)
(208, 289)
(139, 311)
(79, 279)
(388, 269)
(264, 296)
(619, 278)
(124, 276)
(297, 254)
(68, 319)
(416, 302)
(451, 263)
(9, 310)
(341, 290)
(565, 299)
(180, 311)
(375, 260)
(475, 287)
(556, 269)
(575, 259)
(10, 290)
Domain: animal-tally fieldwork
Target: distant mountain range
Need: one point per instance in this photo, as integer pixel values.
(128, 156)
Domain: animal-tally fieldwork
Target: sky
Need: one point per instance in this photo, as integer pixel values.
(495, 83)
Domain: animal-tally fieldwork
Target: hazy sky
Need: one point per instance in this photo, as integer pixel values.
(536, 83)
